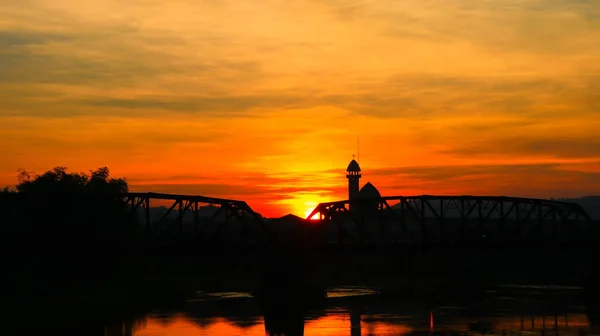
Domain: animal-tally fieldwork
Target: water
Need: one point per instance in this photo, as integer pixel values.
(504, 310)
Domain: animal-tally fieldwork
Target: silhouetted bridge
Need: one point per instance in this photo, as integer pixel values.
(390, 220)
(196, 217)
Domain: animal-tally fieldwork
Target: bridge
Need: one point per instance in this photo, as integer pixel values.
(424, 219)
(390, 220)
(344, 238)
(231, 217)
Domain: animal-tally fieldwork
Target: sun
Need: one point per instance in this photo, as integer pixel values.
(301, 203)
(309, 206)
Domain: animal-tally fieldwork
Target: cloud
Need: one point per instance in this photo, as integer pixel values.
(109, 140)
(206, 105)
(21, 38)
(71, 59)
(543, 180)
(423, 97)
(557, 145)
(104, 56)
(565, 27)
(26, 67)
(191, 68)
(442, 173)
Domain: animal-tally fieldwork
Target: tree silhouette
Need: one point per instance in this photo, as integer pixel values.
(58, 181)
(76, 208)
(65, 223)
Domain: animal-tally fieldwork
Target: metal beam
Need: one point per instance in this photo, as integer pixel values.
(447, 219)
(183, 218)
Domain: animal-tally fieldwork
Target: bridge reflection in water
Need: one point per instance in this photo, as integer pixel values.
(510, 311)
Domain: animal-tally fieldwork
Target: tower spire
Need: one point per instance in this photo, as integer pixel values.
(353, 175)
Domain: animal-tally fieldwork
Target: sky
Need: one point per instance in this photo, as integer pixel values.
(263, 100)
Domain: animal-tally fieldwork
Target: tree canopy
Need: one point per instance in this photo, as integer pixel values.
(67, 226)
(58, 180)
(72, 208)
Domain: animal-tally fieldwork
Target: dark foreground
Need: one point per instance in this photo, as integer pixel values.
(447, 290)
(502, 310)
(358, 311)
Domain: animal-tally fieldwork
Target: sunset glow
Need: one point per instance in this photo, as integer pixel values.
(339, 324)
(263, 101)
(310, 207)
(332, 325)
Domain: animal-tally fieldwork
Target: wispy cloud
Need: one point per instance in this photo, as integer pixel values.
(543, 180)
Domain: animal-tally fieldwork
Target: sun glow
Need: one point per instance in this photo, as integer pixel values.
(310, 206)
(302, 203)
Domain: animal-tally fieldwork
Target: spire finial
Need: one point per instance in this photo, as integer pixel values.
(352, 156)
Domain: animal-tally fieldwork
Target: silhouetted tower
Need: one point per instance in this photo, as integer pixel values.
(353, 175)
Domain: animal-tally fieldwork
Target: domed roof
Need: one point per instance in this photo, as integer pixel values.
(353, 166)
(369, 191)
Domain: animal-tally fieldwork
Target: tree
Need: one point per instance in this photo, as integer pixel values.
(74, 210)
(67, 227)
(82, 200)
(58, 180)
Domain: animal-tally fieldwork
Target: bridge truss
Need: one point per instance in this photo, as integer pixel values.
(455, 219)
(196, 218)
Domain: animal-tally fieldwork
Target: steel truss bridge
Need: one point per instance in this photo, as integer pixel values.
(456, 219)
(197, 217)
(387, 220)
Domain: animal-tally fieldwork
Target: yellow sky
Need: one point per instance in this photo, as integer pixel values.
(263, 100)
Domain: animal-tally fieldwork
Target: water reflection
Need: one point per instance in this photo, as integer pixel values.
(357, 311)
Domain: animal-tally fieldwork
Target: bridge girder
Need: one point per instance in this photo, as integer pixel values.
(446, 219)
(175, 221)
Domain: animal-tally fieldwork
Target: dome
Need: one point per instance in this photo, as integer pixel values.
(353, 166)
(369, 191)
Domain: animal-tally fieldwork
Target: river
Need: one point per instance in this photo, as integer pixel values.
(503, 310)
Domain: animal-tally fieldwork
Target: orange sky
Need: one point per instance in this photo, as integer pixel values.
(263, 100)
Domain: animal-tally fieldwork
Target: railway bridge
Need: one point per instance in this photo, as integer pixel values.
(340, 240)
(390, 220)
(368, 218)
(446, 238)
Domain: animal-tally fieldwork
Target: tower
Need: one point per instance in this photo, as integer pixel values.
(353, 175)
